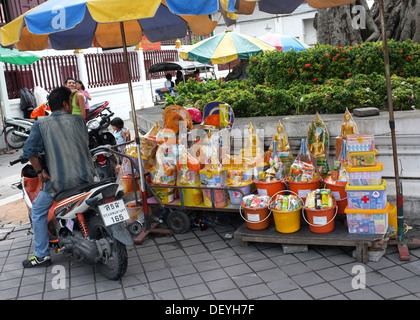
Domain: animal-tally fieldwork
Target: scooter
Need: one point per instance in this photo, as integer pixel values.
(88, 222)
(100, 142)
(16, 131)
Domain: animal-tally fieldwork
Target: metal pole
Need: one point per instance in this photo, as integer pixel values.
(136, 130)
(398, 187)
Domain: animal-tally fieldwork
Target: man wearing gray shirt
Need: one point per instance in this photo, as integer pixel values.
(63, 138)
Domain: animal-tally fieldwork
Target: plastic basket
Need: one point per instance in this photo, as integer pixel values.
(367, 197)
(365, 176)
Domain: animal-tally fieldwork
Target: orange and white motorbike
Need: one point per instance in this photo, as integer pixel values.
(88, 222)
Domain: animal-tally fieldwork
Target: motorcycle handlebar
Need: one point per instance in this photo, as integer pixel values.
(20, 159)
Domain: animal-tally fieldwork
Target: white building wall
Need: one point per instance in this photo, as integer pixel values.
(299, 24)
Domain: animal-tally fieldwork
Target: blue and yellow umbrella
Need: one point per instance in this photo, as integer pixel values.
(78, 24)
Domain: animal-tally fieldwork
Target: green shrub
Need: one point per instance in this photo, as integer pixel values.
(325, 79)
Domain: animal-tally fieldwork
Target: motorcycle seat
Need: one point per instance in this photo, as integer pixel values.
(82, 188)
(97, 105)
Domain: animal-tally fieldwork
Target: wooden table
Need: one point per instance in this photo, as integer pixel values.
(340, 236)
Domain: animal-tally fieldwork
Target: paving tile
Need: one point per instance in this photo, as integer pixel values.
(220, 285)
(183, 270)
(332, 273)
(8, 294)
(297, 294)
(107, 286)
(396, 273)
(116, 294)
(365, 294)
(31, 289)
(155, 265)
(229, 261)
(237, 270)
(305, 256)
(244, 280)
(82, 290)
(137, 291)
(233, 294)
(62, 294)
(340, 259)
(257, 291)
(321, 290)
(343, 285)
(411, 284)
(413, 266)
(282, 285)
(319, 264)
(178, 261)
(262, 264)
(214, 274)
(195, 291)
(174, 294)
(295, 268)
(188, 280)
(284, 259)
(163, 285)
(206, 265)
(272, 274)
(220, 244)
(389, 290)
(307, 279)
(223, 253)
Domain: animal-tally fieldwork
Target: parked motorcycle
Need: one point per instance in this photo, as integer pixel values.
(87, 222)
(100, 141)
(16, 131)
(96, 109)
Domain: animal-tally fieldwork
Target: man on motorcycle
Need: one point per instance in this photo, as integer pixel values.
(64, 139)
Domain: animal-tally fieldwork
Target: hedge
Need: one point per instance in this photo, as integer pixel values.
(325, 79)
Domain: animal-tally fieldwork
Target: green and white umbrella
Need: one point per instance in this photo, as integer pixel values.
(225, 47)
(15, 56)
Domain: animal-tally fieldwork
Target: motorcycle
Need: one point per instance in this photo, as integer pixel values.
(16, 131)
(88, 222)
(100, 142)
(96, 109)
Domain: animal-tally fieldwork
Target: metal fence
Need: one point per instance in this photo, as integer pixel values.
(107, 69)
(154, 56)
(103, 69)
(48, 73)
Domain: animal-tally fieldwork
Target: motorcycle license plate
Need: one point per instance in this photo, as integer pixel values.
(113, 212)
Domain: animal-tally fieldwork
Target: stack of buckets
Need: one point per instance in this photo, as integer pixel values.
(367, 208)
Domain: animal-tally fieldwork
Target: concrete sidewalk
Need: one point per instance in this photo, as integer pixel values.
(207, 265)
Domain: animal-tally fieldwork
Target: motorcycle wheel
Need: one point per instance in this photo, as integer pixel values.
(14, 141)
(115, 266)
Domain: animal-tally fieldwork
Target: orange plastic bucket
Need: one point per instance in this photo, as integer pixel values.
(256, 218)
(321, 220)
(303, 188)
(338, 189)
(269, 188)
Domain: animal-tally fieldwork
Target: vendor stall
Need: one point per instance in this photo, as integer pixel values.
(280, 200)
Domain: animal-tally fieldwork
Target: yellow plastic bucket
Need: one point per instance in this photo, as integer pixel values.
(393, 218)
(165, 195)
(192, 197)
(287, 221)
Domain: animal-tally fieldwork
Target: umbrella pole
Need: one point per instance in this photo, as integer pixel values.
(404, 254)
(148, 226)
